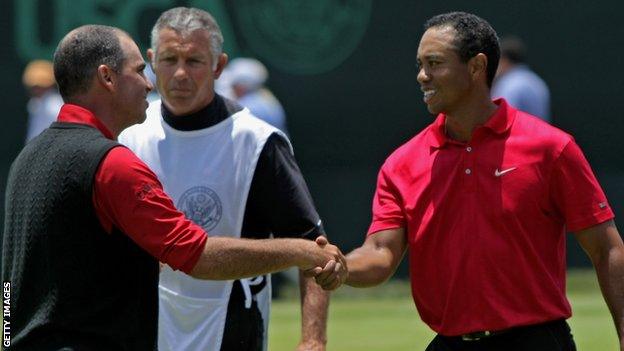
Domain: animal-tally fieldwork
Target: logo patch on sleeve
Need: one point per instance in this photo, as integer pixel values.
(145, 191)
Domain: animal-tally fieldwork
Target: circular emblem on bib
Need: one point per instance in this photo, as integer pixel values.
(303, 36)
(201, 205)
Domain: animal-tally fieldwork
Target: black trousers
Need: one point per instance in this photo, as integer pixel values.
(551, 336)
(244, 327)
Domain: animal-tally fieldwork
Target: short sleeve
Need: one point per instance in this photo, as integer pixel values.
(387, 206)
(279, 201)
(576, 192)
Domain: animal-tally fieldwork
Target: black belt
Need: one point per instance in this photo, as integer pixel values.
(485, 334)
(475, 336)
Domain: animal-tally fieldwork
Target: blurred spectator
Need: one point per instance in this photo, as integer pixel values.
(246, 77)
(517, 83)
(223, 84)
(149, 74)
(45, 101)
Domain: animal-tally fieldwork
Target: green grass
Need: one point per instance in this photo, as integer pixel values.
(384, 318)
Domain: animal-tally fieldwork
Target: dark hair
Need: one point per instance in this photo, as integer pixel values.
(79, 54)
(474, 35)
(513, 49)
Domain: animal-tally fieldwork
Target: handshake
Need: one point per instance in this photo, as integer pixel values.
(326, 264)
(226, 258)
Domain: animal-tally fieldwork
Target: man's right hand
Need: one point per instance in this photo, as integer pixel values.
(331, 273)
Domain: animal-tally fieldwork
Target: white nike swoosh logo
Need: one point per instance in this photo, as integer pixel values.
(498, 173)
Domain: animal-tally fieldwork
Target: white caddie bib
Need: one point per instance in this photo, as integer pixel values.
(207, 173)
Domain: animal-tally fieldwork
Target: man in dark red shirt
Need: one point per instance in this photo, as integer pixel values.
(482, 199)
(87, 221)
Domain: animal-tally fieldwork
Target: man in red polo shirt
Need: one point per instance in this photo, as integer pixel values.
(483, 198)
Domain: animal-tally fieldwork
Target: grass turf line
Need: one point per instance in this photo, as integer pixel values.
(384, 318)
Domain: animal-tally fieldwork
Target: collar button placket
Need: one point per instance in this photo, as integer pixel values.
(471, 172)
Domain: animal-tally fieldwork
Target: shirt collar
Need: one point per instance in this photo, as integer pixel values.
(498, 123)
(502, 119)
(76, 114)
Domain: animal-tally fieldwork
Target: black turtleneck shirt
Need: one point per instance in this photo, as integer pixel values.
(279, 201)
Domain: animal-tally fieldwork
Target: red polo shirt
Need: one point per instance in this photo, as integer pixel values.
(127, 195)
(486, 220)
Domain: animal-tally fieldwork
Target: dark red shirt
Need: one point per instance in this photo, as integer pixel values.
(127, 195)
(486, 220)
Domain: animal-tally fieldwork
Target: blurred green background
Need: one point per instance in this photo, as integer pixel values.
(344, 71)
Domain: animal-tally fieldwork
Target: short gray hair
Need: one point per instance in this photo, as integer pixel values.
(185, 20)
(79, 54)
